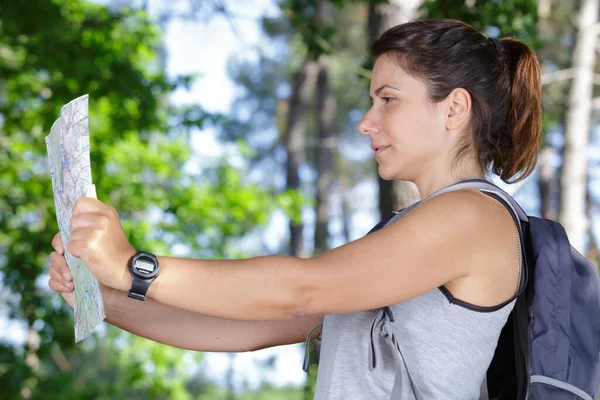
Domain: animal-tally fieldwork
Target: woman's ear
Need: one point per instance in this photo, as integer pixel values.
(459, 107)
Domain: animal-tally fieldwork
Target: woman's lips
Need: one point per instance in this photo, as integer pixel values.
(379, 149)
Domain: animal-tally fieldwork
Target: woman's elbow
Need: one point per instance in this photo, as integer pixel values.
(303, 298)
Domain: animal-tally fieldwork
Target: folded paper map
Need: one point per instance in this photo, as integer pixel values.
(68, 146)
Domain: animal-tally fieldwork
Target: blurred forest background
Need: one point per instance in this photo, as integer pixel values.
(292, 175)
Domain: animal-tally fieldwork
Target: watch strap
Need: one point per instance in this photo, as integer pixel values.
(136, 296)
(139, 287)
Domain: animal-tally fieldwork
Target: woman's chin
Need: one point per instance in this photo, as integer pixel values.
(386, 174)
(389, 174)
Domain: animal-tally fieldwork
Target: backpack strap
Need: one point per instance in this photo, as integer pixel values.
(520, 317)
(519, 216)
(393, 218)
(306, 362)
(483, 391)
(486, 186)
(521, 345)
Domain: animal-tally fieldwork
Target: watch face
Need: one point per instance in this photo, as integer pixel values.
(145, 266)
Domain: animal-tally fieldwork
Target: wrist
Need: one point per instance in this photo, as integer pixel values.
(108, 299)
(125, 281)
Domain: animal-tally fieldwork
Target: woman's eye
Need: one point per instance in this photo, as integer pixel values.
(387, 99)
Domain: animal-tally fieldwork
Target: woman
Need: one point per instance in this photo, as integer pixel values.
(448, 103)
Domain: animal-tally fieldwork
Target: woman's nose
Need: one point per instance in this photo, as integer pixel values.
(367, 124)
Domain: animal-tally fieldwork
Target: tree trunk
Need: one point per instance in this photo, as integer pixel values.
(573, 176)
(383, 16)
(593, 253)
(230, 389)
(544, 9)
(324, 163)
(295, 141)
(346, 215)
(547, 183)
(547, 177)
(393, 195)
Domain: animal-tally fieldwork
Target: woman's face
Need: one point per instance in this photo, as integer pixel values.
(406, 129)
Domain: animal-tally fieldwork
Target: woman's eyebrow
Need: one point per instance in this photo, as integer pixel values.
(380, 88)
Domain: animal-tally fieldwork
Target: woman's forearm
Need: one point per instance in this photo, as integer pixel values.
(261, 288)
(192, 331)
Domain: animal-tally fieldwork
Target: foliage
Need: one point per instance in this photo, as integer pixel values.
(516, 18)
(116, 366)
(265, 392)
(50, 53)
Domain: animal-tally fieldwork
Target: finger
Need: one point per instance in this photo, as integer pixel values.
(85, 234)
(59, 278)
(57, 287)
(69, 298)
(56, 275)
(79, 249)
(88, 219)
(88, 204)
(57, 243)
(59, 263)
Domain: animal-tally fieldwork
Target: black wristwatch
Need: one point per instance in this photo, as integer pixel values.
(144, 269)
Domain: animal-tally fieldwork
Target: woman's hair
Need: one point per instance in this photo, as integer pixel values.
(503, 79)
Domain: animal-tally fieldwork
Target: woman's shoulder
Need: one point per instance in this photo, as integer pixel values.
(484, 221)
(465, 229)
(466, 209)
(495, 251)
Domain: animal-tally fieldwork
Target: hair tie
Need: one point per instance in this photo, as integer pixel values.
(498, 46)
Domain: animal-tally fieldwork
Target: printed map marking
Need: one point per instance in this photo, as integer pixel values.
(68, 146)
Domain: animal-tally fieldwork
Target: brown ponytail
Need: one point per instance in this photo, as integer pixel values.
(525, 113)
(503, 81)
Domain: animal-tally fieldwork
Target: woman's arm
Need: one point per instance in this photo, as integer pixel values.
(192, 331)
(180, 328)
(454, 235)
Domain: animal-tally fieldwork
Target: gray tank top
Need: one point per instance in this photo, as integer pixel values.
(424, 348)
(430, 347)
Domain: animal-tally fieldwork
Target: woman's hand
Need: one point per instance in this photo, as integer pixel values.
(98, 239)
(61, 280)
